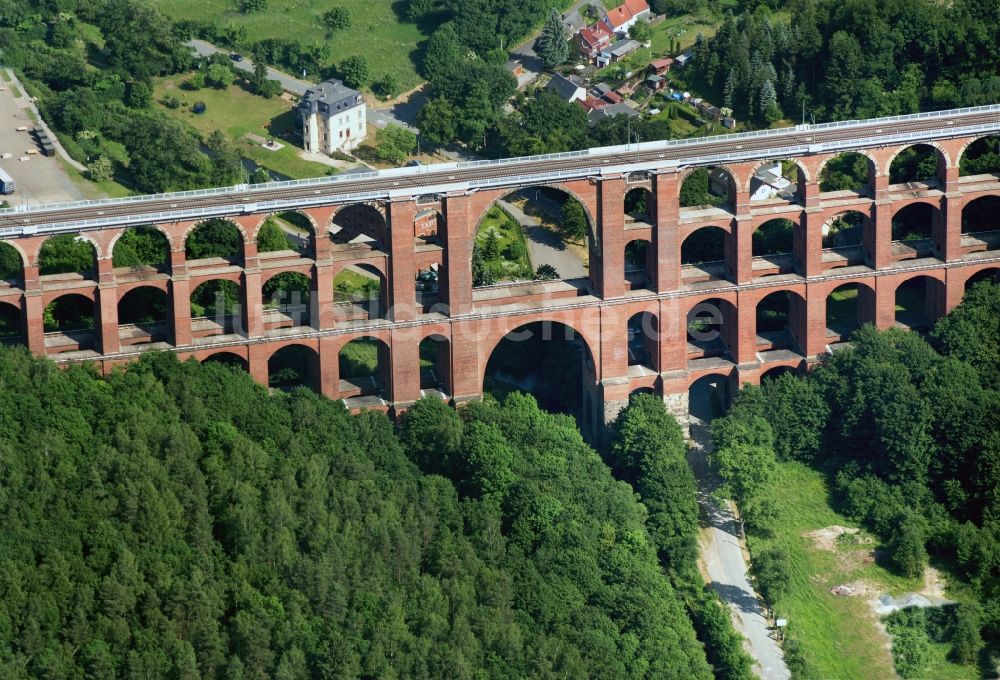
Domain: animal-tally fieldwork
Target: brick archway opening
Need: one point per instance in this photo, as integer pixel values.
(919, 302)
(777, 372)
(643, 341)
(914, 228)
(69, 324)
(780, 321)
(552, 362)
(141, 249)
(11, 325)
(293, 366)
(981, 224)
(360, 224)
(774, 247)
(712, 186)
(639, 263)
(991, 274)
(844, 238)
(143, 316)
(287, 233)
(642, 390)
(216, 308)
(708, 398)
(711, 325)
(435, 366)
(286, 298)
(215, 240)
(68, 256)
(364, 370)
(847, 308)
(228, 359)
(359, 293)
(918, 163)
(11, 264)
(639, 205)
(533, 233)
(705, 256)
(851, 172)
(981, 157)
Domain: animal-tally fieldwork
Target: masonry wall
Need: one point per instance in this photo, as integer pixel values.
(467, 325)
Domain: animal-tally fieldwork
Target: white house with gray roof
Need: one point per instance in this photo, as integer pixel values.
(334, 118)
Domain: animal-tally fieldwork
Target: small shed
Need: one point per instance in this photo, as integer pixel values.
(660, 66)
(655, 83)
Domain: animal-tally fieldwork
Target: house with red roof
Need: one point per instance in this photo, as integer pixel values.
(593, 40)
(624, 16)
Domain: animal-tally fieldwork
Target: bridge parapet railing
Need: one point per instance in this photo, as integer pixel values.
(248, 191)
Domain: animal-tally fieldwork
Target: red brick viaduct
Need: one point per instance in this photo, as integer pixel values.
(467, 322)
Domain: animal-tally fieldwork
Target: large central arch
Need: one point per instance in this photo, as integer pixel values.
(553, 362)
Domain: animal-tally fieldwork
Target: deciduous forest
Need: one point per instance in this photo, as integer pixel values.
(175, 521)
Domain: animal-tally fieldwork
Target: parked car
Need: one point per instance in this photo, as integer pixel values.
(236, 57)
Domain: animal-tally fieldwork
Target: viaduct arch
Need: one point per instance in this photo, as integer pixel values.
(778, 307)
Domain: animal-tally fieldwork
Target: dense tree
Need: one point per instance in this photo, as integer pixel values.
(968, 333)
(650, 453)
(860, 59)
(552, 45)
(272, 238)
(573, 224)
(438, 121)
(337, 19)
(207, 529)
(771, 574)
(743, 455)
(355, 71)
(219, 76)
(394, 144)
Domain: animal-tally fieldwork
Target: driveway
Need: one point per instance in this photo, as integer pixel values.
(288, 83)
(544, 246)
(722, 554)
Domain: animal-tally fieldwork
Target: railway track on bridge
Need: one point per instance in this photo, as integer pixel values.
(799, 140)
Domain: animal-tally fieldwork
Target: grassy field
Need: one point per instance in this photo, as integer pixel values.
(376, 32)
(839, 636)
(239, 113)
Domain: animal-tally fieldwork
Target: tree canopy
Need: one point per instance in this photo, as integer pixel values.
(182, 522)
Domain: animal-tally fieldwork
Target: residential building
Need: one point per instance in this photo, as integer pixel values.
(610, 111)
(334, 118)
(624, 16)
(568, 88)
(620, 50)
(593, 40)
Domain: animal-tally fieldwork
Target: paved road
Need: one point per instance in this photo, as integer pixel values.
(545, 247)
(723, 557)
(288, 83)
